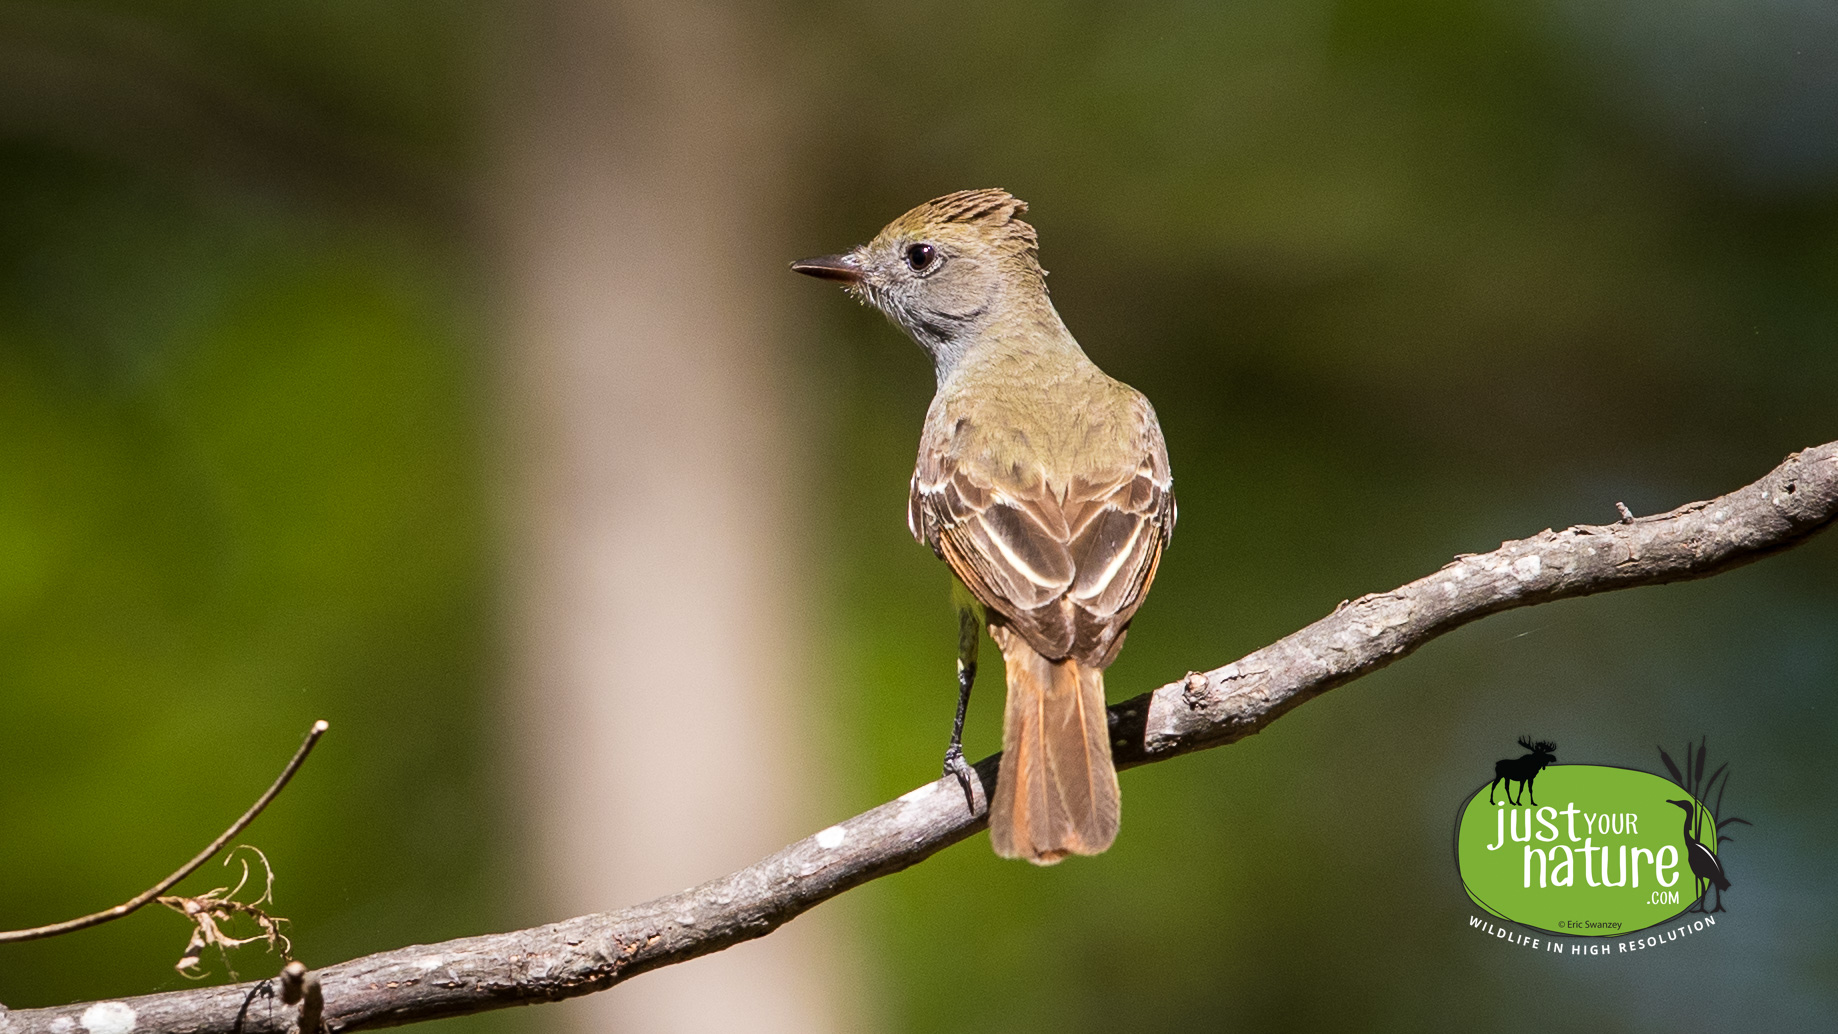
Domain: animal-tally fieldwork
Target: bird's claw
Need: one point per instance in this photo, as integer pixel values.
(955, 765)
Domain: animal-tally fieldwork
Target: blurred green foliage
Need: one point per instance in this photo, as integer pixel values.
(240, 489)
(1403, 277)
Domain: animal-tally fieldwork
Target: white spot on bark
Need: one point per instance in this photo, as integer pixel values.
(1526, 567)
(832, 837)
(62, 1025)
(108, 1018)
(916, 795)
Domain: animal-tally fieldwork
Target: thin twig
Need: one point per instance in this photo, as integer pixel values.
(301, 988)
(146, 897)
(591, 953)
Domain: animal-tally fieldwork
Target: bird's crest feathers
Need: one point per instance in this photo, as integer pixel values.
(991, 215)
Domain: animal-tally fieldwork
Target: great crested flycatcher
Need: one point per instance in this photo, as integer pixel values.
(1042, 482)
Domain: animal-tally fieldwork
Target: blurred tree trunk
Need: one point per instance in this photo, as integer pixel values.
(658, 592)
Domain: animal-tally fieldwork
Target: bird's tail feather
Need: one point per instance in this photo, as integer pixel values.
(1056, 793)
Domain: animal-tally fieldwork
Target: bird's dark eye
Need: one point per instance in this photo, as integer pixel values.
(919, 257)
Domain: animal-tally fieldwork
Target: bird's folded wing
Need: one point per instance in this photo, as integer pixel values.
(1066, 565)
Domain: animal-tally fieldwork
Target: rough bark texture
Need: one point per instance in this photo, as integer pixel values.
(594, 952)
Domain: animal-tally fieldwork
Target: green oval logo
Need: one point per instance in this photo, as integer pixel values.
(1602, 851)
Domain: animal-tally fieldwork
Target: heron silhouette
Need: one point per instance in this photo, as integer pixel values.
(1704, 864)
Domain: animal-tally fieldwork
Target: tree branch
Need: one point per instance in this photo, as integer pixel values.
(591, 953)
(147, 896)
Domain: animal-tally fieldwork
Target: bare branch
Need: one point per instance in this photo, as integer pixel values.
(1206, 709)
(147, 896)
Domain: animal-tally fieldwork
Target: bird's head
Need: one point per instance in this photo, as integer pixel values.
(1687, 805)
(947, 270)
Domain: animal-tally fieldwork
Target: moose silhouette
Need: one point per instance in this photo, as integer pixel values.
(1522, 770)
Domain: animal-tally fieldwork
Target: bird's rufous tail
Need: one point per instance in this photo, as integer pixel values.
(1056, 793)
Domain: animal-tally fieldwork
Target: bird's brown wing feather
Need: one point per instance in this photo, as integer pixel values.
(1066, 566)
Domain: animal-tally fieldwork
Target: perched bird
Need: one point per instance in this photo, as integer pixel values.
(1042, 482)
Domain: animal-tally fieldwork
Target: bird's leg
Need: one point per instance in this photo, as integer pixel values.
(969, 631)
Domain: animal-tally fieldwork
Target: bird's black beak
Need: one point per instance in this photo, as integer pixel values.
(846, 268)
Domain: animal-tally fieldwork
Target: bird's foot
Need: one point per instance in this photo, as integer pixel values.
(955, 765)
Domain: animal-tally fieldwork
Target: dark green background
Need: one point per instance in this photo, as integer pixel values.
(1403, 279)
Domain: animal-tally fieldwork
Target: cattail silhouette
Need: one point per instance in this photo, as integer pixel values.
(1704, 861)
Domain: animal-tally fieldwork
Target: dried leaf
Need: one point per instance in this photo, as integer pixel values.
(210, 911)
